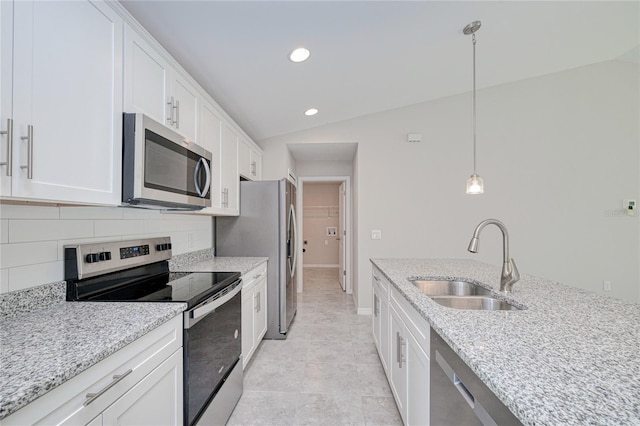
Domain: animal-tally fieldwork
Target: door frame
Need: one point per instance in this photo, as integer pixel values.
(347, 213)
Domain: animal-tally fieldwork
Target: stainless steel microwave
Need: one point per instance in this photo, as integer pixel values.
(161, 169)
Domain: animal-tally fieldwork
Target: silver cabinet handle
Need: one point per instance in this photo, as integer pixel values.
(253, 168)
(375, 305)
(29, 139)
(177, 108)
(257, 276)
(376, 278)
(170, 103)
(399, 352)
(9, 133)
(116, 378)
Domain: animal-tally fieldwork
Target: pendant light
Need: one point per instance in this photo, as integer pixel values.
(475, 185)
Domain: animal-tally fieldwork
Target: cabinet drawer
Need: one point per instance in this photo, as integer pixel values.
(68, 403)
(380, 282)
(252, 277)
(416, 324)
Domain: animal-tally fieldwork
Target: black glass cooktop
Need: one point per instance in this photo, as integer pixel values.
(151, 284)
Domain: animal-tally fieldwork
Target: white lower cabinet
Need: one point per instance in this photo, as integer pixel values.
(402, 337)
(381, 318)
(254, 311)
(140, 384)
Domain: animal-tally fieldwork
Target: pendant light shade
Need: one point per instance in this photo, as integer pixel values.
(475, 185)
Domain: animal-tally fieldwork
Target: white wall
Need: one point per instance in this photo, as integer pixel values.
(32, 237)
(558, 154)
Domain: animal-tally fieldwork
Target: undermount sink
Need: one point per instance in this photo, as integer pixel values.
(450, 288)
(481, 303)
(459, 294)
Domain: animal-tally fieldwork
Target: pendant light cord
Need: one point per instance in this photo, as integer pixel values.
(473, 37)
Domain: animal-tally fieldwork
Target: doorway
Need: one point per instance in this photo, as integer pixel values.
(325, 227)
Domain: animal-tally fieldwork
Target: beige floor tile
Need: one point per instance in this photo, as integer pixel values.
(327, 371)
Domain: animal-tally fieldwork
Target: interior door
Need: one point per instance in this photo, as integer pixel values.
(342, 235)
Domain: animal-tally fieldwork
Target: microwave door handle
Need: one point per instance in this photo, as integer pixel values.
(202, 162)
(196, 173)
(207, 183)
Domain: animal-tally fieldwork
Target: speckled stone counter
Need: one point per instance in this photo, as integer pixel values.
(217, 264)
(44, 348)
(572, 357)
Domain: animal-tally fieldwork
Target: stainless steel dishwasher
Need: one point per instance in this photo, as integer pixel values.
(458, 396)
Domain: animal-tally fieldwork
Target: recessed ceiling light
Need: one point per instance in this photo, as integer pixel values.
(299, 55)
(311, 111)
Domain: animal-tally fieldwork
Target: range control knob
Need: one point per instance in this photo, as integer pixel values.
(92, 258)
(105, 255)
(163, 247)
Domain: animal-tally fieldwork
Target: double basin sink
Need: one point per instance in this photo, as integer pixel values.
(462, 295)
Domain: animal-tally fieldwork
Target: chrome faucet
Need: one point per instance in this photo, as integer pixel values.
(510, 274)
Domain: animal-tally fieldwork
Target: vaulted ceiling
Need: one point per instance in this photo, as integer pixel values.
(371, 56)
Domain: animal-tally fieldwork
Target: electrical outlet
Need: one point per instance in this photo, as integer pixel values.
(376, 234)
(606, 285)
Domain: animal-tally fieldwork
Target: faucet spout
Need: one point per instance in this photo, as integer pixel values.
(510, 274)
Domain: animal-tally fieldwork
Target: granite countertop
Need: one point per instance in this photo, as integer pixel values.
(572, 357)
(46, 347)
(217, 264)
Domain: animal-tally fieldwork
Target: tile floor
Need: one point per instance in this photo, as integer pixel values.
(327, 371)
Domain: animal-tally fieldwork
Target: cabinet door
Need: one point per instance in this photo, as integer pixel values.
(247, 325)
(230, 181)
(244, 159)
(256, 165)
(146, 78)
(210, 139)
(417, 406)
(67, 95)
(260, 323)
(397, 363)
(6, 83)
(186, 106)
(155, 400)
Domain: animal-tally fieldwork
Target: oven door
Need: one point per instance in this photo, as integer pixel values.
(162, 168)
(212, 348)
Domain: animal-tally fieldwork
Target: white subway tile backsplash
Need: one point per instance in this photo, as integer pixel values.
(90, 213)
(10, 211)
(20, 254)
(105, 228)
(34, 275)
(46, 230)
(4, 231)
(32, 238)
(4, 280)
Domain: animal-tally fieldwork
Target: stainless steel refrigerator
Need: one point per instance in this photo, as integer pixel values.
(266, 227)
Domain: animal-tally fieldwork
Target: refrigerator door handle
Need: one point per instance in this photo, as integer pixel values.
(292, 218)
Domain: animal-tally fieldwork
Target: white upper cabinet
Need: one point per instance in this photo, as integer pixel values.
(229, 179)
(211, 140)
(66, 102)
(153, 87)
(249, 160)
(6, 84)
(185, 107)
(146, 78)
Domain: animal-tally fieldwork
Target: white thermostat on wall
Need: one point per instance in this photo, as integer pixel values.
(629, 206)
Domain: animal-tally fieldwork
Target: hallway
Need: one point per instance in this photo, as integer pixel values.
(327, 371)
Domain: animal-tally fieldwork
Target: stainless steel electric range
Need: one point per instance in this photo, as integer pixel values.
(138, 271)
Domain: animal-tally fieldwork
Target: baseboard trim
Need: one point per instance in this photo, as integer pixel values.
(365, 311)
(320, 265)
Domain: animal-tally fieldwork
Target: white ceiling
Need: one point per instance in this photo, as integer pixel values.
(370, 56)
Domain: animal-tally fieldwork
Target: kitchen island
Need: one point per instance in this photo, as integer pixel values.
(569, 357)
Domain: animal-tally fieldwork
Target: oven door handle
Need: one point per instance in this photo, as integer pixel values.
(210, 305)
